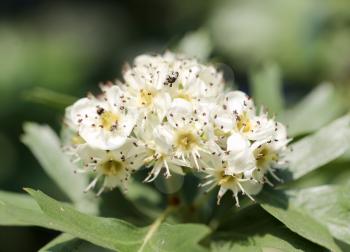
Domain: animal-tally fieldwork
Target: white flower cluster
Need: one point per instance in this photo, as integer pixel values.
(171, 112)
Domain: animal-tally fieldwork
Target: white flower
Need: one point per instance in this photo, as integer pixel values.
(268, 154)
(157, 155)
(171, 112)
(237, 113)
(184, 133)
(113, 168)
(217, 175)
(104, 122)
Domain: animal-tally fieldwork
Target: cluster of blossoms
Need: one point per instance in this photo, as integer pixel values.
(168, 113)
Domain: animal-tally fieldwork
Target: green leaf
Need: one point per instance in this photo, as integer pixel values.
(334, 173)
(329, 205)
(45, 145)
(266, 85)
(49, 98)
(20, 210)
(67, 242)
(276, 203)
(252, 227)
(230, 247)
(144, 198)
(119, 235)
(318, 149)
(317, 109)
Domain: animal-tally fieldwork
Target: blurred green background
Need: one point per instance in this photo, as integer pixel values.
(70, 47)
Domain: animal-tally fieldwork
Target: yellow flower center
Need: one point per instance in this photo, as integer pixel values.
(264, 155)
(76, 139)
(146, 97)
(220, 133)
(243, 123)
(112, 167)
(185, 140)
(109, 120)
(227, 180)
(183, 95)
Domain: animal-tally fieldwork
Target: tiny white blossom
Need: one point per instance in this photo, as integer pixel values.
(112, 168)
(237, 113)
(104, 122)
(217, 176)
(268, 154)
(157, 155)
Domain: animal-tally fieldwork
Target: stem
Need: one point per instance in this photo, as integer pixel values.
(155, 225)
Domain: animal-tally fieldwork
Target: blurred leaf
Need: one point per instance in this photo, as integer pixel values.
(20, 210)
(317, 109)
(329, 205)
(119, 235)
(266, 85)
(297, 220)
(145, 198)
(49, 98)
(67, 242)
(196, 44)
(318, 149)
(45, 145)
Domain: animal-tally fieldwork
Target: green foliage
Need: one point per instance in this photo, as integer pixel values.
(254, 228)
(196, 44)
(66, 242)
(300, 222)
(49, 98)
(329, 205)
(318, 108)
(45, 145)
(118, 235)
(20, 210)
(318, 149)
(266, 85)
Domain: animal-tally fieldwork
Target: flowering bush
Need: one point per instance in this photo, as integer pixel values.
(173, 115)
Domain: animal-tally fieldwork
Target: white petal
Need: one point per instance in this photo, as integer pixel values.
(161, 104)
(239, 102)
(164, 138)
(180, 112)
(237, 144)
(100, 138)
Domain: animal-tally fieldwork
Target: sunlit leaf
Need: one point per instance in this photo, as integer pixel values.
(329, 205)
(334, 173)
(276, 203)
(119, 235)
(317, 109)
(318, 149)
(45, 145)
